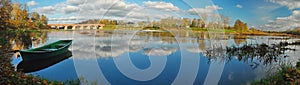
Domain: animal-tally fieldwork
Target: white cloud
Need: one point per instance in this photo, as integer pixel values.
(71, 18)
(69, 9)
(75, 2)
(239, 6)
(142, 16)
(161, 6)
(291, 4)
(207, 10)
(58, 8)
(31, 3)
(113, 9)
(161, 52)
(101, 9)
(45, 10)
(283, 23)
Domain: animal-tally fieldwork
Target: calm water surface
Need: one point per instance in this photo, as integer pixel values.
(175, 57)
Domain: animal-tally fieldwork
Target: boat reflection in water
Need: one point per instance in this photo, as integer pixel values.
(36, 65)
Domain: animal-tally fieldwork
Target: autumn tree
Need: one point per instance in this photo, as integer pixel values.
(245, 28)
(237, 24)
(19, 16)
(5, 15)
(194, 23)
(35, 16)
(199, 23)
(240, 26)
(186, 22)
(104, 21)
(38, 21)
(44, 20)
(114, 22)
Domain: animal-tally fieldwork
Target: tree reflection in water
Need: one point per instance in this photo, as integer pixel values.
(253, 53)
(25, 39)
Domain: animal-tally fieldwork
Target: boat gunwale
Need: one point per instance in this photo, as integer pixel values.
(49, 51)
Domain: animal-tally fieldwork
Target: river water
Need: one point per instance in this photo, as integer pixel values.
(164, 57)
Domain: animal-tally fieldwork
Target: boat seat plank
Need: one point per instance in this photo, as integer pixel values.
(60, 45)
(48, 49)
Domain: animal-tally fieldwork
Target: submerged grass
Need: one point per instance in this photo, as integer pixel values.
(286, 75)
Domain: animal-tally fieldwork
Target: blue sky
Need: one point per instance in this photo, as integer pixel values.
(261, 14)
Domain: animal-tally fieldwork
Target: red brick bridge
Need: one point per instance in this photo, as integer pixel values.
(76, 26)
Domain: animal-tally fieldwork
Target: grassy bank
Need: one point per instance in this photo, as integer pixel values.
(244, 32)
(8, 74)
(286, 75)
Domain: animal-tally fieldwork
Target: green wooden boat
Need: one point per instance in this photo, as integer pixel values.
(46, 51)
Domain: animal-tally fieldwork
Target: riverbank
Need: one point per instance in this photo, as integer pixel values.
(286, 75)
(253, 32)
(8, 74)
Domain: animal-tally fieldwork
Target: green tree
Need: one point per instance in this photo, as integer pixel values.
(35, 17)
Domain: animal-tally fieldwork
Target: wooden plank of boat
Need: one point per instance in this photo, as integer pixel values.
(46, 51)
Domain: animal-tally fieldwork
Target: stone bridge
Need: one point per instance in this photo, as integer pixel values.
(76, 26)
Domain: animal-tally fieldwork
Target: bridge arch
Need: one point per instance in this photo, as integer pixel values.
(75, 26)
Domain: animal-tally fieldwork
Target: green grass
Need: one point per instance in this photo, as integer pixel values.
(198, 29)
(152, 28)
(229, 31)
(109, 27)
(213, 30)
(286, 75)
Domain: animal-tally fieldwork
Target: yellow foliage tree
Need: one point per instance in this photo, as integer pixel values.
(240, 26)
(5, 15)
(19, 16)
